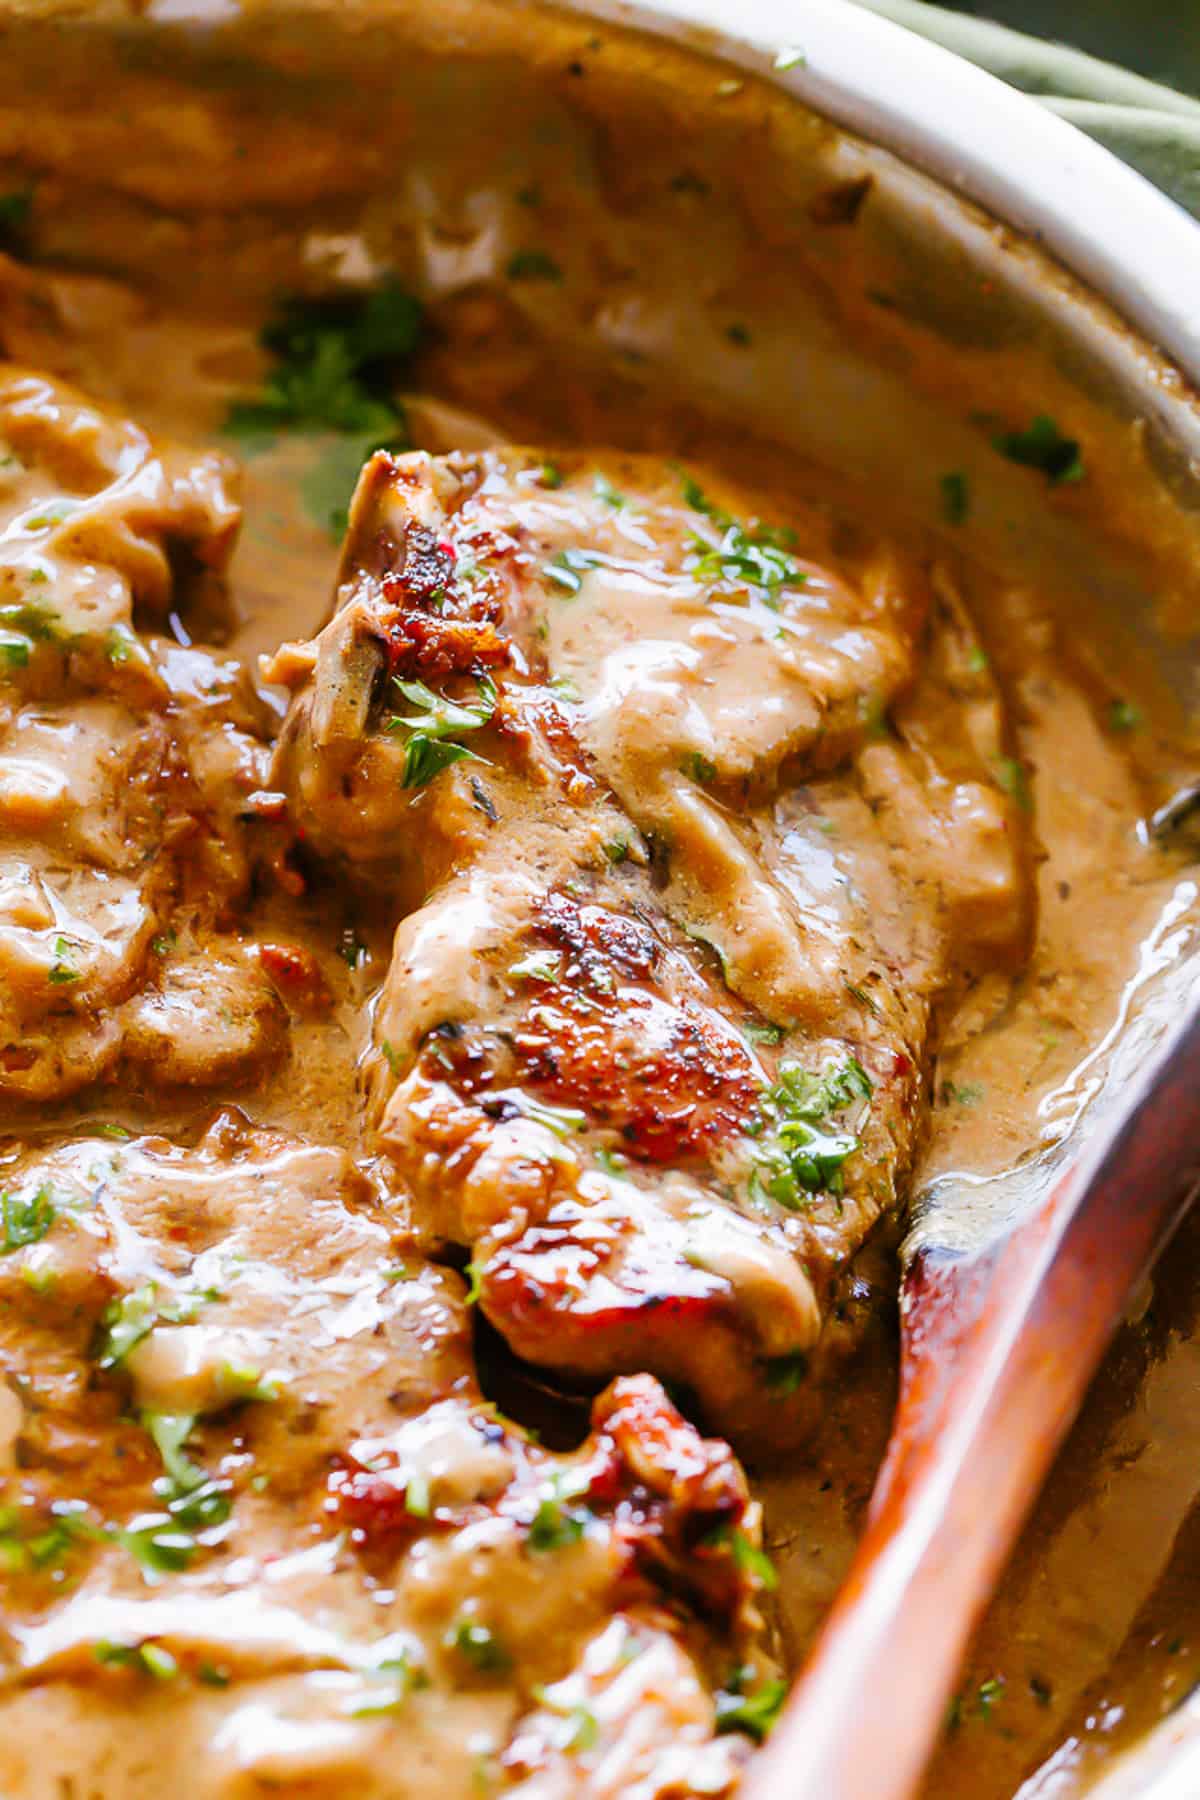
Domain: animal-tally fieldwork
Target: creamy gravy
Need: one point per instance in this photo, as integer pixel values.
(1110, 908)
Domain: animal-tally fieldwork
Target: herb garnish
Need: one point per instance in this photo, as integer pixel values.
(583, 1727)
(762, 1031)
(147, 1658)
(16, 208)
(431, 729)
(335, 362)
(25, 1219)
(604, 490)
(70, 1523)
(131, 1318)
(478, 1646)
(401, 1677)
(532, 265)
(159, 1544)
(748, 1557)
(568, 568)
(63, 970)
(556, 1524)
(784, 1374)
(1123, 715)
(1011, 776)
(753, 555)
(799, 1153)
(698, 767)
(754, 1712)
(956, 497)
(1042, 446)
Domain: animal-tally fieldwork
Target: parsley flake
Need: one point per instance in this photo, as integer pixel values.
(1042, 446)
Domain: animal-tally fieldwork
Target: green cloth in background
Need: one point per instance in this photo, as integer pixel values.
(1154, 128)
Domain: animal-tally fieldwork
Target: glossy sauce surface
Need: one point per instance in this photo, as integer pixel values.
(1062, 761)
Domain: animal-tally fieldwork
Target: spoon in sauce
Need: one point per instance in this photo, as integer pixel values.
(998, 1350)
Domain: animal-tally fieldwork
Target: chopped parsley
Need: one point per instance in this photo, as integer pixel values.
(1042, 446)
(474, 1274)
(567, 569)
(799, 1151)
(980, 1703)
(16, 648)
(956, 497)
(25, 1219)
(550, 475)
(171, 1432)
(604, 490)
(430, 747)
(244, 1382)
(754, 555)
(961, 1093)
(532, 265)
(748, 1557)
(351, 948)
(399, 1677)
(327, 484)
(478, 1646)
(63, 970)
(790, 58)
(563, 1121)
(762, 1031)
(754, 558)
(557, 1524)
(120, 644)
(127, 1321)
(784, 1374)
(335, 362)
(1011, 776)
(147, 1658)
(698, 767)
(50, 516)
(23, 1552)
(159, 1545)
(754, 1711)
(542, 965)
(583, 1728)
(16, 208)
(616, 849)
(1123, 715)
(873, 715)
(333, 358)
(695, 496)
(418, 1496)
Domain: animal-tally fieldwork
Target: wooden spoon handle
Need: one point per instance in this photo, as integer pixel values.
(970, 1448)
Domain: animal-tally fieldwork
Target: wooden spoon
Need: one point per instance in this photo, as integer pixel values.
(998, 1350)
